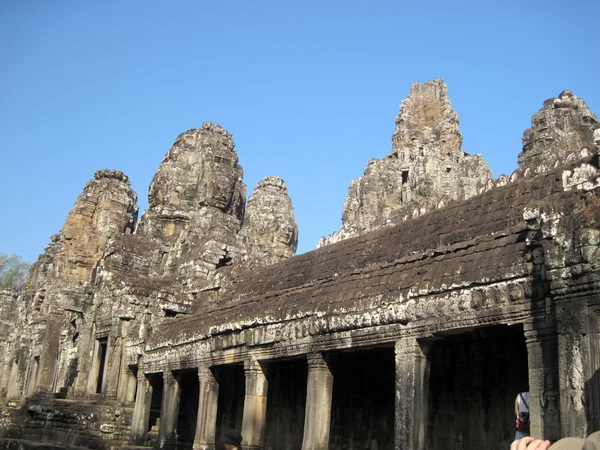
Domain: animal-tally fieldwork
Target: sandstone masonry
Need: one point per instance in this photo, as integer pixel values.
(443, 295)
(426, 168)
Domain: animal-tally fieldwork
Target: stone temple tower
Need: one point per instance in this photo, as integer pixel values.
(564, 126)
(425, 169)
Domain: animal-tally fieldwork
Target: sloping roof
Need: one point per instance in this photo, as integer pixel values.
(478, 241)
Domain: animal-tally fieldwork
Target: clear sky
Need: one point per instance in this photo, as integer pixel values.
(309, 89)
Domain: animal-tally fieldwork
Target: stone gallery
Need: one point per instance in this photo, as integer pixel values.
(444, 294)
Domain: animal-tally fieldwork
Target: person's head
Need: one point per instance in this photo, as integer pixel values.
(569, 443)
(230, 440)
(592, 442)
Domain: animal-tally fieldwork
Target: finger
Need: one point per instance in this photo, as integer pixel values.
(542, 445)
(538, 444)
(523, 443)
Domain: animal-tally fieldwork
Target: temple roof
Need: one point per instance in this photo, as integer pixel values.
(480, 241)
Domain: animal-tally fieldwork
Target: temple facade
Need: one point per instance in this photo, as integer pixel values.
(413, 327)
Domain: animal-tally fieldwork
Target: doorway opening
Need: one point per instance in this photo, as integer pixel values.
(286, 403)
(475, 376)
(232, 390)
(156, 383)
(188, 407)
(363, 411)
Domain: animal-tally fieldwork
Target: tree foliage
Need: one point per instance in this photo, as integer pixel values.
(13, 271)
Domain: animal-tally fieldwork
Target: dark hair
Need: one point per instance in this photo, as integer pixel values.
(220, 445)
(229, 437)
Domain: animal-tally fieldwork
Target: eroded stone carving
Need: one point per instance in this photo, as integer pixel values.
(425, 170)
(106, 208)
(270, 231)
(174, 315)
(104, 285)
(563, 127)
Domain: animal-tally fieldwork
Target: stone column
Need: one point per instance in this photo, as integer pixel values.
(85, 354)
(6, 366)
(98, 364)
(593, 377)
(572, 324)
(114, 367)
(141, 411)
(412, 394)
(542, 359)
(33, 375)
(123, 374)
(206, 423)
(49, 355)
(13, 390)
(255, 405)
(129, 387)
(319, 391)
(169, 410)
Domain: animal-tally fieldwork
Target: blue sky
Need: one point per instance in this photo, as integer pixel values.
(309, 90)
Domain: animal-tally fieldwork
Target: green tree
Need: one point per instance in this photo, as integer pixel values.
(13, 271)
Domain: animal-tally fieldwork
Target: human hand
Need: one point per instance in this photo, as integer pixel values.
(529, 443)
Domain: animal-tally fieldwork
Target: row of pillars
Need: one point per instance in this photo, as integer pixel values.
(411, 381)
(318, 406)
(411, 390)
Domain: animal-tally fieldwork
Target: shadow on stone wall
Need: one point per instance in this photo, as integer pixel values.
(591, 398)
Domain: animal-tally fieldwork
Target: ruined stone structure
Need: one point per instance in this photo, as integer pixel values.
(561, 129)
(425, 170)
(416, 333)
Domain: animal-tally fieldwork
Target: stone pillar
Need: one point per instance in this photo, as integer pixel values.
(33, 376)
(13, 390)
(542, 359)
(98, 367)
(85, 354)
(114, 367)
(130, 385)
(572, 324)
(169, 410)
(319, 391)
(141, 411)
(412, 394)
(593, 377)
(6, 366)
(124, 377)
(255, 405)
(206, 424)
(48, 356)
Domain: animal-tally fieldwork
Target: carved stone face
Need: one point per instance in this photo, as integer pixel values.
(270, 231)
(285, 235)
(219, 181)
(564, 126)
(201, 169)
